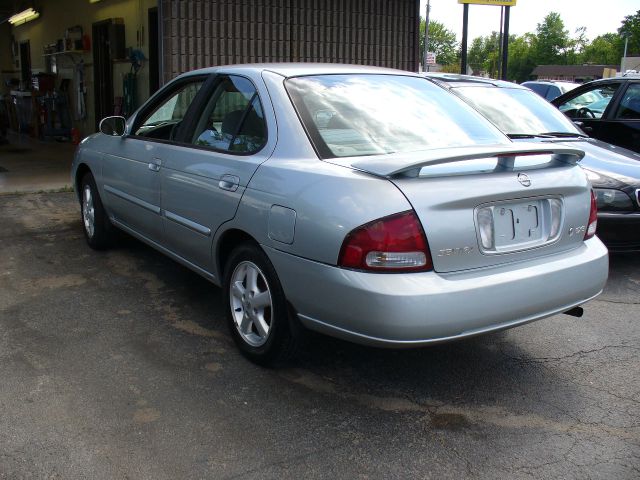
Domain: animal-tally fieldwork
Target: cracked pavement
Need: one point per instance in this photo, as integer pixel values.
(118, 365)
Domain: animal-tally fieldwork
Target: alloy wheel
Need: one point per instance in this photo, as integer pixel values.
(251, 303)
(88, 211)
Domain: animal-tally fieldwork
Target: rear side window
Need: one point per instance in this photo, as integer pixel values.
(553, 92)
(371, 114)
(540, 88)
(233, 120)
(630, 104)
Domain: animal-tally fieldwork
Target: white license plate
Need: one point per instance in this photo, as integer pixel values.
(517, 223)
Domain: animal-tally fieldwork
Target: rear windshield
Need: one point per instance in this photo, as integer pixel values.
(355, 115)
(516, 111)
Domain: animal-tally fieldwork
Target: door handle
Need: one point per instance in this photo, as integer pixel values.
(229, 182)
(584, 127)
(155, 164)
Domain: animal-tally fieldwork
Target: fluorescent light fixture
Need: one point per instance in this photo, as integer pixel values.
(23, 17)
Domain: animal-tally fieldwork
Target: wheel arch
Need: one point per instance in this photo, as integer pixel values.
(81, 171)
(227, 242)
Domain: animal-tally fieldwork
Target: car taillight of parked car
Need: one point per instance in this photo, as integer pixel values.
(395, 243)
(593, 218)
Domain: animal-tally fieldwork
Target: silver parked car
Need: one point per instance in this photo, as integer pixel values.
(364, 203)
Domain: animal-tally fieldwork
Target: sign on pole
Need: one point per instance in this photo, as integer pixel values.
(506, 3)
(431, 58)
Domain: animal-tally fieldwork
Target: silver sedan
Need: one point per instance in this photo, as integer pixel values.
(364, 203)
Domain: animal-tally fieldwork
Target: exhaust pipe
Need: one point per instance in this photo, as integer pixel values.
(575, 312)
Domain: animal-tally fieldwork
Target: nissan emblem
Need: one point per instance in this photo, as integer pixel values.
(524, 179)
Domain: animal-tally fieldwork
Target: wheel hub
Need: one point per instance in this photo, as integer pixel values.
(251, 303)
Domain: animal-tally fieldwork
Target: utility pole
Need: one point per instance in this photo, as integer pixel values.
(426, 36)
(465, 34)
(500, 42)
(505, 43)
(624, 56)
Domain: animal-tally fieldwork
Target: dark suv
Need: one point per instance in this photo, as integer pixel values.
(607, 109)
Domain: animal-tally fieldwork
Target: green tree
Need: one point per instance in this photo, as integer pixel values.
(484, 54)
(603, 50)
(442, 42)
(552, 43)
(631, 28)
(521, 62)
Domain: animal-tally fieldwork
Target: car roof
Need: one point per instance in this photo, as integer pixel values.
(298, 69)
(452, 80)
(551, 82)
(612, 79)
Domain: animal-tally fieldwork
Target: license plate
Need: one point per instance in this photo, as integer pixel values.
(517, 223)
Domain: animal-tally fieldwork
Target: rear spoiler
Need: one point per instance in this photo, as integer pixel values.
(410, 164)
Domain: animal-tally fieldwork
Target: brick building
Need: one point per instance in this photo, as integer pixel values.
(92, 40)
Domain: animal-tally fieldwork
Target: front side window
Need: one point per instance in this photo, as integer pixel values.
(163, 120)
(629, 108)
(233, 121)
(589, 104)
(372, 114)
(517, 111)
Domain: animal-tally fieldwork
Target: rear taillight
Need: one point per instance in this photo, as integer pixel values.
(593, 218)
(395, 243)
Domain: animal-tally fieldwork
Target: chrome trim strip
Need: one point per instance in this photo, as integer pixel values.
(130, 198)
(185, 222)
(620, 214)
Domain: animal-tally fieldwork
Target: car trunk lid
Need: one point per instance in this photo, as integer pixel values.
(485, 206)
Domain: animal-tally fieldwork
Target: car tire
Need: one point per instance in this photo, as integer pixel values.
(97, 228)
(258, 314)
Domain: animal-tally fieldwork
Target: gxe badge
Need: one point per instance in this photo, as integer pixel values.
(524, 179)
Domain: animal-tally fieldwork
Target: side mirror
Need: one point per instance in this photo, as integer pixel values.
(113, 126)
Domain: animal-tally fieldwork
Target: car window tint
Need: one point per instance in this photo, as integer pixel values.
(540, 88)
(517, 111)
(368, 114)
(589, 104)
(164, 118)
(553, 92)
(630, 104)
(233, 120)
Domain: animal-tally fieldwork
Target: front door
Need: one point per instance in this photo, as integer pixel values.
(589, 108)
(626, 119)
(132, 166)
(202, 185)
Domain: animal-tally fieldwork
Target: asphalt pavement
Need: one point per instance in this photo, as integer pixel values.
(118, 365)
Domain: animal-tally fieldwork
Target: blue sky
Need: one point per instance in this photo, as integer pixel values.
(599, 17)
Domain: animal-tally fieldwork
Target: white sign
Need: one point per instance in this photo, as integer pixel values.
(431, 58)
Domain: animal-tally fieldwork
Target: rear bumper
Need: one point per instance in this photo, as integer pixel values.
(619, 231)
(408, 310)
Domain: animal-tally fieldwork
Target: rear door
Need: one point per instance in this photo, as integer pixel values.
(221, 148)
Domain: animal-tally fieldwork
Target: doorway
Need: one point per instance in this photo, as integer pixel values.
(154, 64)
(25, 64)
(102, 71)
